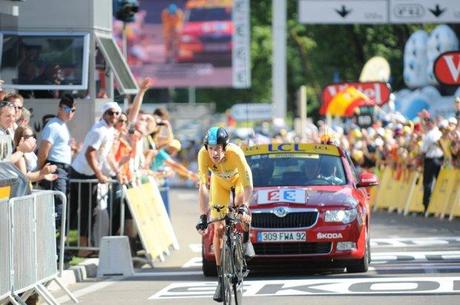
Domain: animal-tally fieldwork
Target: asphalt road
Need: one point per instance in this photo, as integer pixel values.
(415, 260)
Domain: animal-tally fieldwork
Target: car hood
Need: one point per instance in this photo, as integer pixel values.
(313, 196)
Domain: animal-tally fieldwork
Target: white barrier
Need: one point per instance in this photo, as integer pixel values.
(5, 248)
(27, 238)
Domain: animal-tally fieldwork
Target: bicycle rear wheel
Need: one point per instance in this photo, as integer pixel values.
(227, 272)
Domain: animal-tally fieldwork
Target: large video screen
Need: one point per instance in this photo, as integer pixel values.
(182, 43)
(44, 61)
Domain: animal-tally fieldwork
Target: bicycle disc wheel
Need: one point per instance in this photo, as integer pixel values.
(227, 272)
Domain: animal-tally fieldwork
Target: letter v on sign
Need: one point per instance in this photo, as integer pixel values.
(446, 68)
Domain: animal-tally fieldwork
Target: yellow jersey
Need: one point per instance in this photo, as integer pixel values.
(233, 167)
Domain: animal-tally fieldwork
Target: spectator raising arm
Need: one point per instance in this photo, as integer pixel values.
(136, 106)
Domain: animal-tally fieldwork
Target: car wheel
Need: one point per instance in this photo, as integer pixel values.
(209, 268)
(361, 265)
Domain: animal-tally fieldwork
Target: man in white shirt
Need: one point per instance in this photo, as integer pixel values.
(88, 164)
(433, 158)
(55, 149)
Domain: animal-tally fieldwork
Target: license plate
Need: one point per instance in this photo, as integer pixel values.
(281, 236)
(216, 47)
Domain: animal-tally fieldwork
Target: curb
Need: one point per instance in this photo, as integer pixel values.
(81, 272)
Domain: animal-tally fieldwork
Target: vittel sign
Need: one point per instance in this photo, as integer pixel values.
(377, 91)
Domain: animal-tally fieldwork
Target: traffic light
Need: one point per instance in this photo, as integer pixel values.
(124, 10)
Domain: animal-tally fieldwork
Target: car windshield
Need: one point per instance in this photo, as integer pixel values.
(296, 170)
(210, 14)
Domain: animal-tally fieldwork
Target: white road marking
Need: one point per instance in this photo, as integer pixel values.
(413, 242)
(170, 273)
(381, 257)
(416, 256)
(428, 268)
(342, 286)
(193, 262)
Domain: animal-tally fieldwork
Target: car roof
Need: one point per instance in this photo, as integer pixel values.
(300, 148)
(191, 4)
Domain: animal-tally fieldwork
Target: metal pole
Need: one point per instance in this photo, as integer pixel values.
(124, 41)
(279, 58)
(303, 111)
(124, 38)
(191, 95)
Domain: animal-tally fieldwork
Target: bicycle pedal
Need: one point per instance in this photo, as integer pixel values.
(246, 272)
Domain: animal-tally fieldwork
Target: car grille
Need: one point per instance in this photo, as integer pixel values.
(292, 248)
(291, 220)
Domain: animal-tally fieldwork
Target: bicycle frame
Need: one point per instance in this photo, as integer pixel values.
(234, 268)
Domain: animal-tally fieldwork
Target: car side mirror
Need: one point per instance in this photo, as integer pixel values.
(367, 179)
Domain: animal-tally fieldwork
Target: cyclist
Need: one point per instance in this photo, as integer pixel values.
(172, 19)
(229, 170)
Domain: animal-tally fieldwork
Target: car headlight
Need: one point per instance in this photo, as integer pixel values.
(343, 216)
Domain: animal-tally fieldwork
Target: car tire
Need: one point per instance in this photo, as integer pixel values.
(361, 265)
(209, 268)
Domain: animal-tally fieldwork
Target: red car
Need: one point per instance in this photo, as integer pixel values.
(207, 33)
(309, 206)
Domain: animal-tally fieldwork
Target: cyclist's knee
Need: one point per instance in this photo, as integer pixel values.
(219, 230)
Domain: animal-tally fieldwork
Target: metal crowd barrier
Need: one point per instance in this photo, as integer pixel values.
(96, 211)
(28, 247)
(5, 248)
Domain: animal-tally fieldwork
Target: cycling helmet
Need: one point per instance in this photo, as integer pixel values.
(172, 8)
(215, 136)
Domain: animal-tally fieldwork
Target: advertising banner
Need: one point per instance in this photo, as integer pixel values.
(189, 43)
(379, 92)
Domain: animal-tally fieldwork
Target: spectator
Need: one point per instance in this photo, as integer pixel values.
(24, 119)
(28, 163)
(18, 101)
(55, 149)
(163, 134)
(9, 151)
(163, 161)
(96, 150)
(433, 158)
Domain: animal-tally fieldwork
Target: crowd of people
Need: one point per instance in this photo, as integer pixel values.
(121, 148)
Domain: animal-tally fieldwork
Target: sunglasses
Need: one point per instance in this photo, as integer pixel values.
(69, 109)
(26, 136)
(110, 112)
(122, 121)
(6, 104)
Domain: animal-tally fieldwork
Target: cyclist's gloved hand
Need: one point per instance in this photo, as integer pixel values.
(203, 223)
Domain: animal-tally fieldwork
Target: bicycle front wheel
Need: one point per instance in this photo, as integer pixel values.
(227, 272)
(240, 267)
